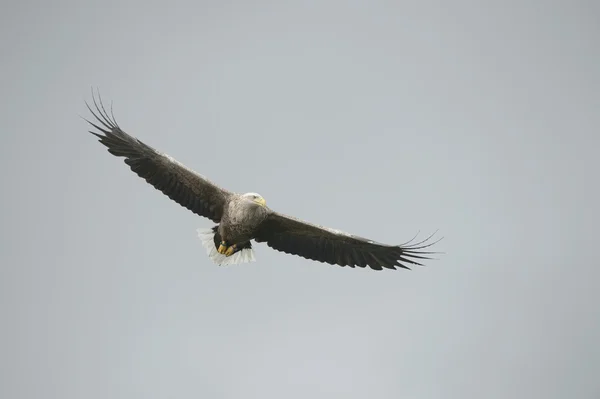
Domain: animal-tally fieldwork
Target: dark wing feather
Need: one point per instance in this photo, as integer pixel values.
(184, 186)
(296, 237)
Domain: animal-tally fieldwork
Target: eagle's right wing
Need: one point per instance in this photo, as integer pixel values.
(294, 236)
(184, 186)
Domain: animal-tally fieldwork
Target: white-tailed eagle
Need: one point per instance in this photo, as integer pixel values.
(242, 218)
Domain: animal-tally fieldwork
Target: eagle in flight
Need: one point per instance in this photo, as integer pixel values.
(242, 218)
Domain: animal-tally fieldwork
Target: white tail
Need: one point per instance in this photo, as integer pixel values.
(246, 255)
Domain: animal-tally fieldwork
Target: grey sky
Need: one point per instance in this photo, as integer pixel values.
(380, 118)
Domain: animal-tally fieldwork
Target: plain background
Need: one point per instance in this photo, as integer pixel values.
(381, 118)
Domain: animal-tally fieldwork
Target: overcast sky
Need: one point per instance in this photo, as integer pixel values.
(380, 118)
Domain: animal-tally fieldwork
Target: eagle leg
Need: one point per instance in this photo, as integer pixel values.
(227, 250)
(231, 250)
(222, 248)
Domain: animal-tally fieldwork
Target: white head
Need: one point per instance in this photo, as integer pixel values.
(256, 198)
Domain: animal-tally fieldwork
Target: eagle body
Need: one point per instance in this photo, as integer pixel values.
(242, 215)
(243, 218)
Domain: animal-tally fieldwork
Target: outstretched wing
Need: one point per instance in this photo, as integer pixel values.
(184, 186)
(296, 237)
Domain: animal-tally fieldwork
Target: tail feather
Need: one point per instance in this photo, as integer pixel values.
(244, 255)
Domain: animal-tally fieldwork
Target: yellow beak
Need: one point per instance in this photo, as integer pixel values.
(260, 201)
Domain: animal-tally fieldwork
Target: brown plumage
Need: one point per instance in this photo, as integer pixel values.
(245, 217)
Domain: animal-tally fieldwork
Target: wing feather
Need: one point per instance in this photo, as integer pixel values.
(181, 184)
(296, 237)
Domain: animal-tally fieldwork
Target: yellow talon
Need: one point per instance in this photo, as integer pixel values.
(222, 248)
(230, 250)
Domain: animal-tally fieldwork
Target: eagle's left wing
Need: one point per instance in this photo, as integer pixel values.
(178, 182)
(293, 236)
